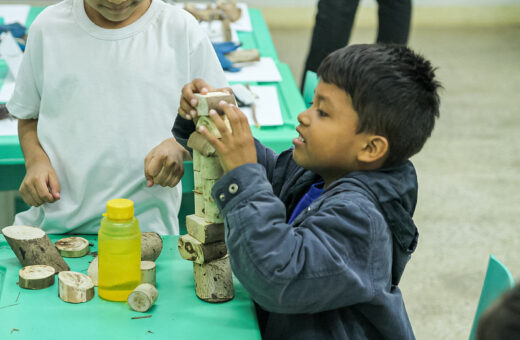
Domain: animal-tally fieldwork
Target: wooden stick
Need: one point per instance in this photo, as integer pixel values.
(75, 287)
(148, 272)
(213, 280)
(32, 246)
(204, 232)
(72, 246)
(193, 250)
(143, 297)
(151, 246)
(36, 277)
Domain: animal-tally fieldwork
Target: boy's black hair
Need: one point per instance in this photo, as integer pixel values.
(393, 90)
(501, 321)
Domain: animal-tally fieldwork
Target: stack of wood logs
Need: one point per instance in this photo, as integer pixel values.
(204, 244)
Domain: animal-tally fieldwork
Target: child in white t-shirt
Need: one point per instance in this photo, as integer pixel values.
(97, 90)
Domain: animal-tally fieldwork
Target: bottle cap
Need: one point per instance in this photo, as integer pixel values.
(120, 209)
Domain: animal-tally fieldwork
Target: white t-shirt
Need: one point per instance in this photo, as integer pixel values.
(104, 98)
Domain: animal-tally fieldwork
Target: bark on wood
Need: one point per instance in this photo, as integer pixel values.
(193, 250)
(200, 144)
(143, 297)
(212, 212)
(199, 204)
(205, 232)
(93, 271)
(213, 280)
(72, 246)
(148, 273)
(209, 101)
(36, 277)
(32, 246)
(210, 168)
(75, 287)
(151, 246)
(243, 56)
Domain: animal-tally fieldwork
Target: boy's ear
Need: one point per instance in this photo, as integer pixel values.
(375, 149)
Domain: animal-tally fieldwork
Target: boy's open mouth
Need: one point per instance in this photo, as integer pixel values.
(301, 139)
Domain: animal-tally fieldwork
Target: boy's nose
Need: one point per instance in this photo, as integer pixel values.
(303, 118)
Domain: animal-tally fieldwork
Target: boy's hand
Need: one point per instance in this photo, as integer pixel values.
(40, 184)
(189, 101)
(236, 148)
(164, 164)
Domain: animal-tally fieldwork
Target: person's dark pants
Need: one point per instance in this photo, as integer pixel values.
(334, 22)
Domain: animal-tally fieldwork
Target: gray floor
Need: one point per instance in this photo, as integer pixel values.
(469, 181)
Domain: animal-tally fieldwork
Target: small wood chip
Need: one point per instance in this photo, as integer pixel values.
(141, 317)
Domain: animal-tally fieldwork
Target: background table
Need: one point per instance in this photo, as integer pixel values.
(177, 314)
(12, 169)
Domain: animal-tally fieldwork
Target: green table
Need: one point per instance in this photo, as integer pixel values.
(12, 169)
(177, 313)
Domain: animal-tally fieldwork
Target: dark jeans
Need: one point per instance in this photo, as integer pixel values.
(334, 22)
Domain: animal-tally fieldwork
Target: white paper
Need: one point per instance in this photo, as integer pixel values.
(14, 13)
(268, 111)
(6, 91)
(11, 52)
(8, 127)
(264, 70)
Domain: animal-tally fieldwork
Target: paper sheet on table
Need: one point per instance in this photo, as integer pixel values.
(242, 24)
(14, 13)
(264, 70)
(268, 111)
(8, 127)
(6, 91)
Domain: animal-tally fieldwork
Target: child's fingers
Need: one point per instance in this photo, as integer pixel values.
(211, 138)
(233, 114)
(54, 186)
(219, 123)
(152, 167)
(186, 110)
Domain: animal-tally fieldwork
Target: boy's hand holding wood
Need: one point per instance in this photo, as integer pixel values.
(236, 147)
(189, 102)
(164, 164)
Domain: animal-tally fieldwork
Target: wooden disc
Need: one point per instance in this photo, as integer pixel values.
(23, 232)
(143, 297)
(72, 246)
(75, 287)
(36, 277)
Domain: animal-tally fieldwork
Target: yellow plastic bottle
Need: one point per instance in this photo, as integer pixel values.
(119, 251)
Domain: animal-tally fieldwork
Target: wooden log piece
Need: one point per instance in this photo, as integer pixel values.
(212, 213)
(213, 280)
(211, 100)
(243, 56)
(230, 9)
(93, 271)
(200, 144)
(151, 246)
(72, 246)
(193, 250)
(210, 168)
(143, 297)
(75, 287)
(207, 185)
(148, 272)
(196, 160)
(199, 203)
(32, 246)
(36, 277)
(226, 29)
(198, 182)
(204, 232)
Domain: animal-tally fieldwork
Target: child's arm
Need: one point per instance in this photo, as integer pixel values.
(40, 184)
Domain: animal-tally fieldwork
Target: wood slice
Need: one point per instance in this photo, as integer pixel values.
(93, 271)
(213, 280)
(32, 246)
(200, 144)
(36, 277)
(151, 246)
(75, 287)
(72, 246)
(209, 101)
(143, 297)
(192, 250)
(148, 272)
(205, 232)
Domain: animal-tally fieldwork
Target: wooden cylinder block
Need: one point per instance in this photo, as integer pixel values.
(199, 204)
(151, 246)
(193, 250)
(196, 160)
(212, 213)
(210, 168)
(36, 277)
(75, 287)
(205, 232)
(214, 281)
(32, 246)
(72, 246)
(143, 297)
(148, 273)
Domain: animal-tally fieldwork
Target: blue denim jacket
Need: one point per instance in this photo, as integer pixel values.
(333, 272)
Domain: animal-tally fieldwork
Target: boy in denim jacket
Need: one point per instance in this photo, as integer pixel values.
(320, 234)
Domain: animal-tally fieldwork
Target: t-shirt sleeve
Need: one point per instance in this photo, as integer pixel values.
(204, 61)
(25, 101)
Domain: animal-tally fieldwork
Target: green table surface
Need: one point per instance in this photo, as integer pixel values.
(177, 313)
(279, 138)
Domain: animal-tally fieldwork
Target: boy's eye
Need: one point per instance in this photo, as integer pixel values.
(322, 114)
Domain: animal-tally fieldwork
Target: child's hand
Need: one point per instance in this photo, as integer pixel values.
(40, 184)
(189, 101)
(164, 164)
(236, 148)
